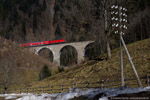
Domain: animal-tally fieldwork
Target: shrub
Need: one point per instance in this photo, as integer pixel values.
(44, 73)
(60, 69)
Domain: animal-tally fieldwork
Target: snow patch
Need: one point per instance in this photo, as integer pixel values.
(89, 93)
(10, 97)
(104, 98)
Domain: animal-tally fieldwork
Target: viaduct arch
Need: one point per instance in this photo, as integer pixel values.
(56, 50)
(46, 53)
(71, 57)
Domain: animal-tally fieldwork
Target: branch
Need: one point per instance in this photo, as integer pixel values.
(103, 3)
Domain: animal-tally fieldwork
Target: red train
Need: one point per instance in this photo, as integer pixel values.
(42, 43)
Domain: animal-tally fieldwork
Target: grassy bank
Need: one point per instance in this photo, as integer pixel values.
(105, 70)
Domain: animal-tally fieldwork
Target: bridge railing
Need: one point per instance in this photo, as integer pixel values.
(81, 85)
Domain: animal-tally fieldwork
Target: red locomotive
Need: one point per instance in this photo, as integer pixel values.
(42, 43)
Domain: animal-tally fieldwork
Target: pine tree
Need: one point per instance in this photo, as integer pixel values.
(58, 34)
(44, 73)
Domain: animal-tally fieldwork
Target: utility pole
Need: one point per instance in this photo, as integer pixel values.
(121, 55)
(119, 21)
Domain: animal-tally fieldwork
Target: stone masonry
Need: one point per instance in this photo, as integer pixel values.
(56, 50)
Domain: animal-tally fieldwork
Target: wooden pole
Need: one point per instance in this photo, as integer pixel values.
(51, 88)
(74, 84)
(102, 84)
(121, 54)
(35, 90)
(148, 81)
(42, 89)
(26, 90)
(87, 85)
(13, 91)
(61, 88)
(1, 91)
(121, 64)
(131, 63)
(20, 90)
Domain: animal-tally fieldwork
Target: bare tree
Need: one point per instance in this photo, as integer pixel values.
(105, 6)
(107, 29)
(7, 68)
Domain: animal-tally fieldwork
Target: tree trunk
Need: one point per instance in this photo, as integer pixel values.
(107, 34)
(108, 46)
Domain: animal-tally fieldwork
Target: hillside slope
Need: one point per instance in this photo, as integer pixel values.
(18, 66)
(106, 70)
(80, 20)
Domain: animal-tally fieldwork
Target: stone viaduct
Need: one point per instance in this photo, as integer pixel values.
(56, 50)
